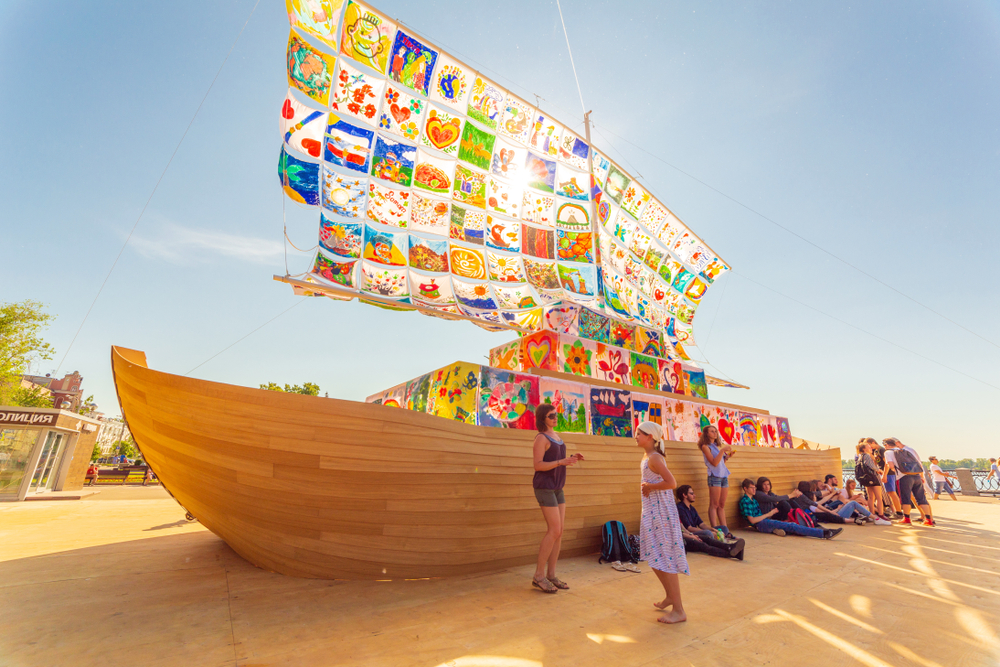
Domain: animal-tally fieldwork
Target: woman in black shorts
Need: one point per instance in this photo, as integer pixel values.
(550, 477)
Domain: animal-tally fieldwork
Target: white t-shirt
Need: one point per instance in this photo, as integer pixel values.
(937, 473)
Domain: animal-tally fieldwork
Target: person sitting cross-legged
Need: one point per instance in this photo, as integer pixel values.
(699, 536)
(806, 503)
(851, 505)
(763, 522)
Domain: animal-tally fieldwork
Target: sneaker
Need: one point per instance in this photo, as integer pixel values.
(930, 522)
(736, 551)
(859, 521)
(779, 532)
(900, 515)
(882, 522)
(906, 521)
(829, 534)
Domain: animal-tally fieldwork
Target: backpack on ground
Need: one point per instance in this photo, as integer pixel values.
(801, 517)
(906, 462)
(615, 545)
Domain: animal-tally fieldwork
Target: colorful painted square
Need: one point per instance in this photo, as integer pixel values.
(577, 356)
(571, 184)
(575, 247)
(416, 393)
(570, 401)
(340, 273)
(485, 102)
(302, 127)
(393, 161)
(562, 318)
(508, 160)
(648, 341)
(347, 145)
(594, 326)
(573, 151)
(385, 247)
(299, 179)
(516, 119)
(503, 198)
(644, 371)
(612, 364)
(528, 320)
(476, 146)
(432, 173)
(452, 81)
(538, 208)
(356, 93)
(653, 216)
(654, 256)
(507, 399)
(467, 225)
(453, 392)
(442, 130)
(694, 379)
(428, 254)
(515, 297)
(537, 242)
(316, 17)
(540, 350)
(634, 199)
(541, 173)
(696, 289)
(474, 294)
(411, 63)
(623, 335)
(784, 432)
(650, 409)
(434, 290)
(388, 205)
(599, 167)
(542, 275)
(344, 195)
(545, 135)
(341, 238)
(617, 183)
(573, 217)
(507, 356)
(402, 114)
(384, 281)
(309, 69)
(505, 268)
(503, 234)
(430, 215)
(467, 262)
(578, 279)
(610, 412)
(470, 186)
(366, 36)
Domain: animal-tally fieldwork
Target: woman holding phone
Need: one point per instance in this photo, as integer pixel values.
(550, 476)
(716, 454)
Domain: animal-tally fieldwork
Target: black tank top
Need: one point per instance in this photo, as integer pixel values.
(554, 479)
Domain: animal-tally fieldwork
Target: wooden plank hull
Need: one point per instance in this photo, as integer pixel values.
(317, 487)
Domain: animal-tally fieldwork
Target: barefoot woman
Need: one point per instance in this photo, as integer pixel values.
(550, 477)
(660, 538)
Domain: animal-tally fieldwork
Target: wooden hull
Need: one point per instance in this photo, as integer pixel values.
(318, 487)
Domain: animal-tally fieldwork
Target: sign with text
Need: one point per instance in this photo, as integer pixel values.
(26, 418)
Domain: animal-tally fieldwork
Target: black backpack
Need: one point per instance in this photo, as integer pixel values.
(615, 544)
(906, 462)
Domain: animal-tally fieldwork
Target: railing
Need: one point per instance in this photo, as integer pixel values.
(983, 485)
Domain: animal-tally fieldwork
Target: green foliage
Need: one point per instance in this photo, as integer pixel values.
(29, 398)
(20, 343)
(96, 454)
(87, 406)
(126, 447)
(307, 388)
(946, 464)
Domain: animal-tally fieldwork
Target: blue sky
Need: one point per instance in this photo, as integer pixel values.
(870, 129)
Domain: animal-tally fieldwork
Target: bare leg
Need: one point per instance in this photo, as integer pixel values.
(672, 587)
(720, 509)
(894, 497)
(713, 502)
(554, 556)
(552, 536)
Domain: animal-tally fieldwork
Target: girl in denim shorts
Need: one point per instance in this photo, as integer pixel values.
(716, 453)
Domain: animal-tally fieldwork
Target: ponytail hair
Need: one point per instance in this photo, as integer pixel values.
(655, 431)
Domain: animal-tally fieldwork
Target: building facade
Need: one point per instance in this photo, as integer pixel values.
(112, 430)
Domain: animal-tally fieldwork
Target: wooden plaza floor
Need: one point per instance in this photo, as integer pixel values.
(111, 582)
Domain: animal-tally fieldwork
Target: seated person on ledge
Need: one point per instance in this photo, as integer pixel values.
(698, 535)
(806, 503)
(769, 500)
(853, 504)
(763, 522)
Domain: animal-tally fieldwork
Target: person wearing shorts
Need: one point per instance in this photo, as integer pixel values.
(940, 478)
(549, 454)
(715, 453)
(889, 478)
(911, 484)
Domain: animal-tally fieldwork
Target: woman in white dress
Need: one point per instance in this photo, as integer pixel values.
(660, 539)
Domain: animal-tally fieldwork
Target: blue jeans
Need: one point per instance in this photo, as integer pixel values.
(770, 525)
(845, 511)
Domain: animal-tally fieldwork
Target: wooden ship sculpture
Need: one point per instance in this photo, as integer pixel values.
(443, 193)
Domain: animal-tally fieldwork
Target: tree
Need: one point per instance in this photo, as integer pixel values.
(96, 454)
(87, 406)
(33, 397)
(20, 344)
(307, 388)
(126, 447)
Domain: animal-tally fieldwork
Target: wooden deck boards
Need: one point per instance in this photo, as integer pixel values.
(106, 583)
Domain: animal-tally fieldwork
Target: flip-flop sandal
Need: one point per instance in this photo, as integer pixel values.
(544, 585)
(617, 565)
(632, 567)
(558, 583)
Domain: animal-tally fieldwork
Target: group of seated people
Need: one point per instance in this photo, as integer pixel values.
(800, 512)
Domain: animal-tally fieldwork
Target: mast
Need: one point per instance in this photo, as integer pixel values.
(595, 235)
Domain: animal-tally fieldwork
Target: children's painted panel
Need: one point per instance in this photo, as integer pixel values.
(309, 69)
(428, 214)
(515, 122)
(515, 297)
(540, 350)
(537, 242)
(470, 186)
(503, 198)
(432, 173)
(594, 326)
(366, 36)
(384, 281)
(393, 161)
(299, 179)
(671, 376)
(506, 356)
(341, 238)
(385, 247)
(388, 206)
(432, 290)
(452, 82)
(503, 234)
(563, 318)
(570, 401)
(650, 409)
(577, 355)
(453, 392)
(467, 262)
(542, 275)
(442, 130)
(576, 247)
(578, 279)
(573, 217)
(540, 173)
(342, 273)
(507, 399)
(429, 254)
(617, 183)
(784, 431)
(347, 145)
(538, 208)
(694, 378)
(402, 114)
(610, 412)
(316, 17)
(356, 93)
(412, 63)
(344, 195)
(572, 184)
(612, 364)
(302, 127)
(474, 294)
(644, 371)
(508, 160)
(485, 102)
(505, 268)
(467, 225)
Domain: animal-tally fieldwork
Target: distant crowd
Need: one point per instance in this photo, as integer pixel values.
(889, 481)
